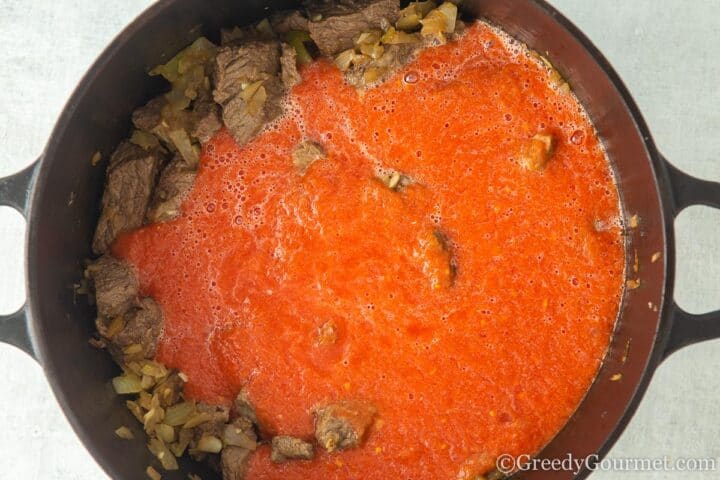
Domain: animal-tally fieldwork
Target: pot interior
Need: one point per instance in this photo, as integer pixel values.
(68, 189)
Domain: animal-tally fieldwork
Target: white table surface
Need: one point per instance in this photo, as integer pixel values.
(665, 50)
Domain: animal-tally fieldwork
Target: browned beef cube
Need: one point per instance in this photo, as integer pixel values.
(129, 183)
(236, 66)
(176, 181)
(286, 448)
(116, 286)
(343, 425)
(340, 25)
(206, 120)
(234, 462)
(284, 22)
(288, 63)
(143, 326)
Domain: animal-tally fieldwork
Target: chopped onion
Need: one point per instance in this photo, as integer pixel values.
(297, 39)
(181, 140)
(345, 59)
(394, 37)
(197, 419)
(165, 432)
(179, 414)
(209, 444)
(152, 473)
(167, 459)
(126, 384)
(124, 433)
(184, 438)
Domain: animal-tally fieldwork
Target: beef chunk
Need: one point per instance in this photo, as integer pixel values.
(176, 181)
(129, 183)
(207, 120)
(284, 22)
(149, 116)
(343, 425)
(286, 448)
(244, 408)
(339, 26)
(142, 327)
(234, 462)
(247, 104)
(288, 62)
(236, 66)
(242, 123)
(307, 153)
(116, 286)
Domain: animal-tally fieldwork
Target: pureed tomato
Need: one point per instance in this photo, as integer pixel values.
(264, 262)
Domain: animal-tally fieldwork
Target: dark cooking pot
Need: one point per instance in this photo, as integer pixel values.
(59, 195)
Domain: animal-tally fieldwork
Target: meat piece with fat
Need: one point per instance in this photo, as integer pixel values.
(129, 184)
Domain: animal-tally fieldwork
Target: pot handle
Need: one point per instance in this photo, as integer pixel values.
(15, 192)
(687, 328)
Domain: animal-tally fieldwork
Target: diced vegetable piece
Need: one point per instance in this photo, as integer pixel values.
(439, 21)
(147, 381)
(127, 384)
(371, 37)
(411, 15)
(254, 96)
(395, 37)
(135, 410)
(197, 419)
(184, 438)
(345, 59)
(187, 72)
(423, 8)
(154, 416)
(165, 432)
(152, 473)
(373, 51)
(307, 153)
(297, 39)
(154, 369)
(179, 414)
(265, 28)
(133, 349)
(373, 74)
(116, 325)
(450, 11)
(124, 433)
(408, 22)
(538, 151)
(163, 454)
(232, 435)
(145, 400)
(182, 142)
(144, 140)
(327, 333)
(209, 444)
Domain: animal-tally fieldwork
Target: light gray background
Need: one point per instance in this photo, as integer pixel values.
(665, 50)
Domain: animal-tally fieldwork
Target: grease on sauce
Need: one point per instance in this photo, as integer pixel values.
(305, 289)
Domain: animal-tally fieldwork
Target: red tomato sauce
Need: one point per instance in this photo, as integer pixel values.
(460, 370)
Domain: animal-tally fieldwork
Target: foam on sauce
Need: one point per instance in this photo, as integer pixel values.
(263, 257)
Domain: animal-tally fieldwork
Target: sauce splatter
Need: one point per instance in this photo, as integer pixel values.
(305, 289)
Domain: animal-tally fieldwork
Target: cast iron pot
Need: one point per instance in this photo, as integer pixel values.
(59, 196)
